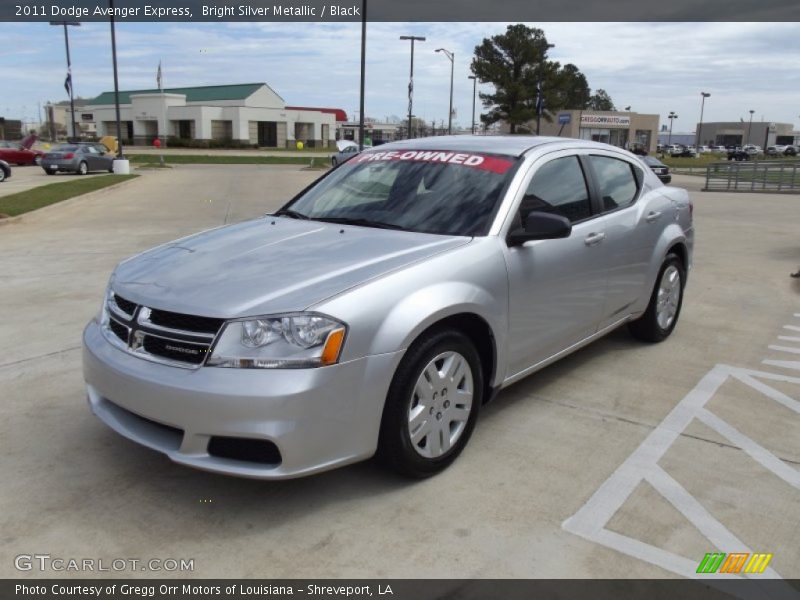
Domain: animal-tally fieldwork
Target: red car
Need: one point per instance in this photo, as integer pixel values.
(20, 153)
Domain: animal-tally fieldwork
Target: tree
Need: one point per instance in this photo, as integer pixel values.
(515, 63)
(600, 100)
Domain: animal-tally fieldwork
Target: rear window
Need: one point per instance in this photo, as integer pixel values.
(65, 148)
(441, 192)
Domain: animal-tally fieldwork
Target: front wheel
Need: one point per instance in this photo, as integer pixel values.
(432, 405)
(2, 175)
(37, 161)
(661, 316)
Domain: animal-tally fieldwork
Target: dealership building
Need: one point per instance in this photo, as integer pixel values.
(737, 133)
(617, 128)
(251, 113)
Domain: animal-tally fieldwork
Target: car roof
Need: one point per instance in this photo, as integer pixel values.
(511, 145)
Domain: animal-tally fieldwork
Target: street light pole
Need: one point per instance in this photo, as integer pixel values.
(69, 70)
(413, 39)
(700, 127)
(452, 57)
(672, 117)
(749, 126)
(474, 89)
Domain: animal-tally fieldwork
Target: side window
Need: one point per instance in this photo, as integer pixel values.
(558, 187)
(616, 180)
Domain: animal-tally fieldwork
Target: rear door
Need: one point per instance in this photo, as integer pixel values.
(556, 287)
(635, 219)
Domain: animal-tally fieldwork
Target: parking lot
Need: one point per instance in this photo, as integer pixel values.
(622, 460)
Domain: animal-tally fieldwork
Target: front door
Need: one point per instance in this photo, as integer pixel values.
(556, 287)
(268, 134)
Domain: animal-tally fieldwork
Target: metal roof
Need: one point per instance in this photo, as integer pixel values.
(206, 93)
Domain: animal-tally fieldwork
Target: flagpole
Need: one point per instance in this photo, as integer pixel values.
(163, 100)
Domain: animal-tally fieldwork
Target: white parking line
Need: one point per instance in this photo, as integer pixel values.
(590, 521)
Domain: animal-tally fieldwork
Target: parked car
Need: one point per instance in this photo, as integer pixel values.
(5, 171)
(739, 154)
(682, 152)
(385, 304)
(78, 157)
(20, 153)
(781, 150)
(704, 150)
(659, 168)
(346, 151)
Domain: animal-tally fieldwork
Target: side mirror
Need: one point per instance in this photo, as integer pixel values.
(540, 226)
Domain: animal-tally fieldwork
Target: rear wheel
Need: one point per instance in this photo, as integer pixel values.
(83, 168)
(432, 405)
(2, 175)
(662, 313)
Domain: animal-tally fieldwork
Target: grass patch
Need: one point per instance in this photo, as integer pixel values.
(22, 202)
(224, 159)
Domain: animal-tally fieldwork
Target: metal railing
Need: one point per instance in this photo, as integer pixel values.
(766, 176)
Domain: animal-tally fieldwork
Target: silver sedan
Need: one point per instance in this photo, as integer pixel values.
(383, 306)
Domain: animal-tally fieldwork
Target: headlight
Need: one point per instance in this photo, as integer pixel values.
(279, 342)
(102, 316)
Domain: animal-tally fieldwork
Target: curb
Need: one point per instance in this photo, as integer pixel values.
(18, 218)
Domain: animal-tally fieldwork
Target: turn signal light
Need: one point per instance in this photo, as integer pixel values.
(333, 346)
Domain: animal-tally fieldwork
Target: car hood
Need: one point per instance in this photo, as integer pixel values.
(268, 265)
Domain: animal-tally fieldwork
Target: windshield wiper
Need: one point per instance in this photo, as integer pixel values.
(362, 222)
(292, 214)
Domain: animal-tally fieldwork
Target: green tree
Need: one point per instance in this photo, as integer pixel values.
(600, 100)
(514, 63)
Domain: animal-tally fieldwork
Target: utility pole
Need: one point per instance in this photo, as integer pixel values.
(413, 39)
(68, 80)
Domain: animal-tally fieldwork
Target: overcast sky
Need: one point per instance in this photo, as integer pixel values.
(652, 67)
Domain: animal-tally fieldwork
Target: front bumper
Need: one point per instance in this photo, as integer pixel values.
(319, 419)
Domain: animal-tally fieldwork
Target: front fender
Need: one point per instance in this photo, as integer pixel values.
(387, 314)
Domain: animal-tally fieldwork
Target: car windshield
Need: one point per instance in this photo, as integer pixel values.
(447, 193)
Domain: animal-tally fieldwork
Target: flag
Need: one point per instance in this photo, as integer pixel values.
(158, 76)
(539, 98)
(68, 83)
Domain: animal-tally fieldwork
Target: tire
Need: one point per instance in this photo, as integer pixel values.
(334, 162)
(83, 168)
(656, 325)
(429, 359)
(2, 175)
(48, 172)
(37, 161)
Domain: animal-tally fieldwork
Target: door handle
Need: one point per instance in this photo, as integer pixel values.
(594, 238)
(652, 216)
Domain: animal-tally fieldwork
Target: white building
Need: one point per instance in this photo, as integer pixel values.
(250, 113)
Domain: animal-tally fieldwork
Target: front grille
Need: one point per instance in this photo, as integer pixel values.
(126, 306)
(185, 322)
(119, 330)
(177, 350)
(161, 335)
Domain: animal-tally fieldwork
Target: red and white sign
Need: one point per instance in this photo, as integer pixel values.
(476, 161)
